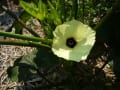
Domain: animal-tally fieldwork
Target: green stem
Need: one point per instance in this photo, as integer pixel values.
(23, 43)
(23, 37)
(83, 10)
(75, 9)
(62, 10)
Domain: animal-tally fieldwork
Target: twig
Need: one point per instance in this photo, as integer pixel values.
(18, 20)
(41, 75)
(49, 86)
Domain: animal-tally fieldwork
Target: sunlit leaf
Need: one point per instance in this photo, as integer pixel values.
(54, 15)
(37, 11)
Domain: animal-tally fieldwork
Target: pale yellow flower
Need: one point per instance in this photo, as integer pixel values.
(73, 40)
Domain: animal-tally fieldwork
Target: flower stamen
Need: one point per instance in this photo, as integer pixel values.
(71, 42)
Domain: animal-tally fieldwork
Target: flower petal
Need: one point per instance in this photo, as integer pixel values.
(84, 36)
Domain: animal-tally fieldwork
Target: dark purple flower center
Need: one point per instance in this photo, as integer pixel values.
(70, 42)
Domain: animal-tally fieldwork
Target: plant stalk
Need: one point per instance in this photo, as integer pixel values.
(63, 10)
(75, 8)
(23, 43)
(23, 37)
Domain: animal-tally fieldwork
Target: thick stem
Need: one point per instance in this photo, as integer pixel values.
(116, 7)
(23, 37)
(23, 43)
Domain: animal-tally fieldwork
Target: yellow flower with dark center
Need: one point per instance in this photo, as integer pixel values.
(73, 40)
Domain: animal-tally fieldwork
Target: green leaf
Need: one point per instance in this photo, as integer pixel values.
(18, 27)
(48, 29)
(29, 59)
(42, 9)
(45, 58)
(38, 12)
(54, 15)
(111, 64)
(13, 73)
(25, 68)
